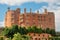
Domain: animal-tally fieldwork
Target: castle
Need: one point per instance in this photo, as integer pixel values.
(26, 19)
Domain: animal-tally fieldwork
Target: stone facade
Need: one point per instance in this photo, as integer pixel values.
(26, 19)
(43, 36)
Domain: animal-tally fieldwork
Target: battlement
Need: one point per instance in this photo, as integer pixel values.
(19, 11)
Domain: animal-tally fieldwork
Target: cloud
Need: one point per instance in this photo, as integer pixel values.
(19, 2)
(1, 23)
(57, 17)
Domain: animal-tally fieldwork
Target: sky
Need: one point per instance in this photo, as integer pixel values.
(50, 5)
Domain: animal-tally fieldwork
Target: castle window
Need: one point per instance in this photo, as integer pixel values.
(12, 14)
(35, 38)
(39, 39)
(31, 38)
(21, 15)
(27, 23)
(33, 23)
(34, 34)
(38, 16)
(41, 16)
(43, 35)
(12, 19)
(39, 19)
(49, 19)
(33, 15)
(17, 20)
(12, 23)
(44, 18)
(38, 35)
(27, 15)
(21, 18)
(48, 35)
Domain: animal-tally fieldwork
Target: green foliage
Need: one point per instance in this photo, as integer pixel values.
(47, 30)
(17, 37)
(40, 30)
(20, 37)
(29, 29)
(26, 37)
(6, 32)
(54, 38)
(8, 38)
(52, 32)
(9, 32)
(1, 38)
(34, 29)
(22, 30)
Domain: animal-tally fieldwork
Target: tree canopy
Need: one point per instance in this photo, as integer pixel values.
(9, 32)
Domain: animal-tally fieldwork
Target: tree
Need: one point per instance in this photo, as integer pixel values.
(29, 29)
(8, 38)
(20, 37)
(9, 32)
(22, 30)
(17, 37)
(26, 37)
(6, 32)
(34, 29)
(39, 30)
(52, 32)
(13, 30)
(47, 31)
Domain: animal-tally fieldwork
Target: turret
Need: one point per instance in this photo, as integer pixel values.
(8, 8)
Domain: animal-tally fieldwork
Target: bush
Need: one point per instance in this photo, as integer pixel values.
(1, 38)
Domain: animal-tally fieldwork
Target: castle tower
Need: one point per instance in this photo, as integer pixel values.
(17, 15)
(12, 17)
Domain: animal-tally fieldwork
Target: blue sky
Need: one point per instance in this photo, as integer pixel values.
(50, 5)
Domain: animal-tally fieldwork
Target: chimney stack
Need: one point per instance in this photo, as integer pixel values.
(18, 10)
(24, 10)
(45, 10)
(30, 10)
(38, 11)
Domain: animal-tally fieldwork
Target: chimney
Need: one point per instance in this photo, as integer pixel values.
(45, 10)
(24, 10)
(30, 10)
(18, 10)
(38, 11)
